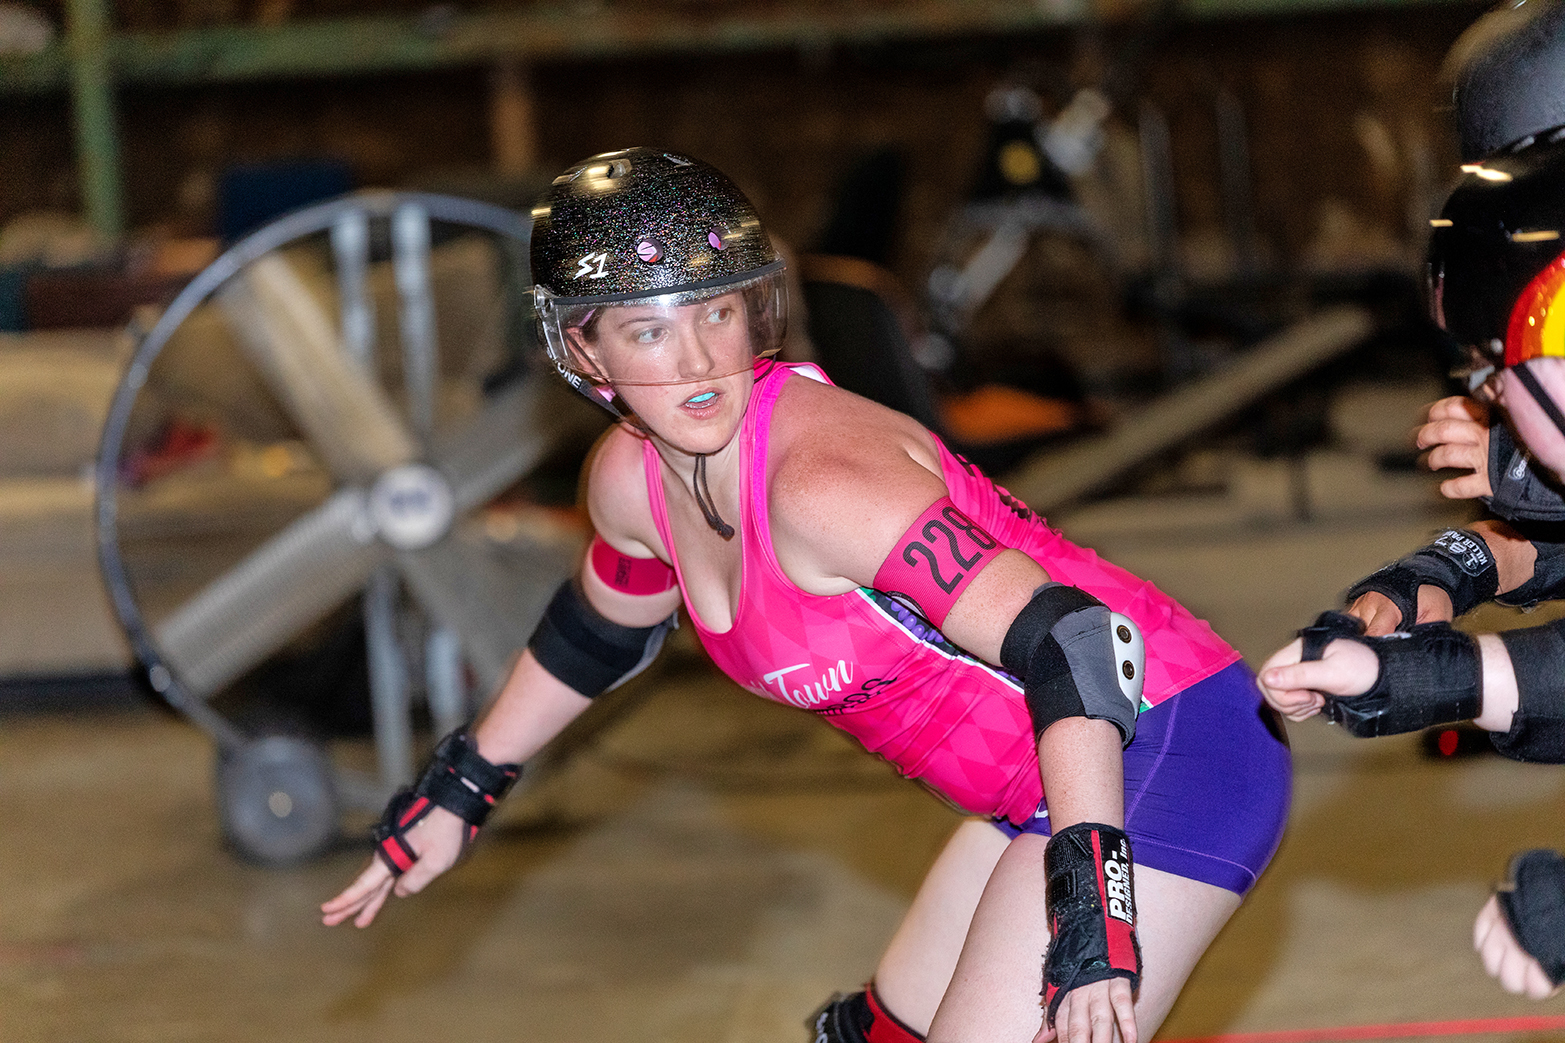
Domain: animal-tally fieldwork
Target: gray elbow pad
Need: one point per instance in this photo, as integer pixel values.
(1076, 658)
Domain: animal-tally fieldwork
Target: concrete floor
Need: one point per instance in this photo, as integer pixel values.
(718, 865)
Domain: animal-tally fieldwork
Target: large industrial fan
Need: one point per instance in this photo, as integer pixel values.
(319, 427)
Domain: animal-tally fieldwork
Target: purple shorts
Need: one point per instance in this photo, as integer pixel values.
(1208, 780)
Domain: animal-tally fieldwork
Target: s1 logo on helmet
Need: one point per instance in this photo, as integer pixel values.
(591, 266)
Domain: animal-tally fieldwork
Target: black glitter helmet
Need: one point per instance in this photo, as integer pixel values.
(1495, 264)
(646, 226)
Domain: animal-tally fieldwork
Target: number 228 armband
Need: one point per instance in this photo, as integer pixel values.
(936, 558)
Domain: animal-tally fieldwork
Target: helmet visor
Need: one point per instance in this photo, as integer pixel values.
(670, 338)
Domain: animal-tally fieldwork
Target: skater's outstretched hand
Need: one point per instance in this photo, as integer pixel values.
(1457, 437)
(1381, 615)
(438, 840)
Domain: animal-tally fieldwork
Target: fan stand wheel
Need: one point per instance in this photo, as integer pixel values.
(278, 799)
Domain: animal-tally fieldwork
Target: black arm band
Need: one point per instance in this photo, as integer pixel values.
(1458, 562)
(576, 644)
(1538, 726)
(1521, 491)
(1062, 645)
(1533, 901)
(1548, 571)
(1429, 675)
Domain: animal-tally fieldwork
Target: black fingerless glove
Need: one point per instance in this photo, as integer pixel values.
(1533, 902)
(1430, 674)
(1458, 562)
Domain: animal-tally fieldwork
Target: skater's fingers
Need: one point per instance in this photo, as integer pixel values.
(372, 906)
(352, 898)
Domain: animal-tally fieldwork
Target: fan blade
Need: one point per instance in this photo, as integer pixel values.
(294, 343)
(288, 583)
(492, 598)
(502, 443)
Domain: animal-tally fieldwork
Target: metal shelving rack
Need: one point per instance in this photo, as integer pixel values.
(91, 59)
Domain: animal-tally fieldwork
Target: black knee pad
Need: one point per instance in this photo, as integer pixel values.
(859, 1017)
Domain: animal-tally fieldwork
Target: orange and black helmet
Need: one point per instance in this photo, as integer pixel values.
(1496, 261)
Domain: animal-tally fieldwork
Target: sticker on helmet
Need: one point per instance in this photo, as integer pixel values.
(650, 251)
(591, 267)
(716, 240)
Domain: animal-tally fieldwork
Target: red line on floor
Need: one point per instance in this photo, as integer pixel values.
(1390, 1030)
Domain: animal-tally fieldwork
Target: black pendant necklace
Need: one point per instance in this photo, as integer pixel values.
(707, 504)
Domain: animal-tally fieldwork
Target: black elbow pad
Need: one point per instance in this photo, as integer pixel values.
(576, 644)
(1076, 659)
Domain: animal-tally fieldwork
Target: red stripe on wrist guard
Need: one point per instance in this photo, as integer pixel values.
(935, 560)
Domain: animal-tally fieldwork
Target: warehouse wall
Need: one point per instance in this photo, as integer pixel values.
(1343, 114)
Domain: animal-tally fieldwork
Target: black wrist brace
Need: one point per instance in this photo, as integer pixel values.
(1429, 675)
(1538, 726)
(1090, 897)
(1548, 571)
(1458, 562)
(458, 779)
(1521, 491)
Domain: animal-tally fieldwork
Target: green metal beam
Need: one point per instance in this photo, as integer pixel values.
(97, 137)
(358, 46)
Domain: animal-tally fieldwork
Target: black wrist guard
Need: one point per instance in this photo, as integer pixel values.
(1090, 897)
(1548, 570)
(1076, 659)
(1458, 562)
(1533, 902)
(1538, 726)
(457, 779)
(1522, 492)
(1429, 675)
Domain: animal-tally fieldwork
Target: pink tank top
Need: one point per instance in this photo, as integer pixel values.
(883, 674)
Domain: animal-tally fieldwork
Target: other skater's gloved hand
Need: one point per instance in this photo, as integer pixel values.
(1457, 436)
(1381, 615)
(439, 838)
(1504, 958)
(1297, 689)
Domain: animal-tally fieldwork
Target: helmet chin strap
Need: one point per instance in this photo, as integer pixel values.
(706, 503)
(1540, 396)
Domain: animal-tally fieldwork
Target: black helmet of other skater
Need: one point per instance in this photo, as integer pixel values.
(1508, 71)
